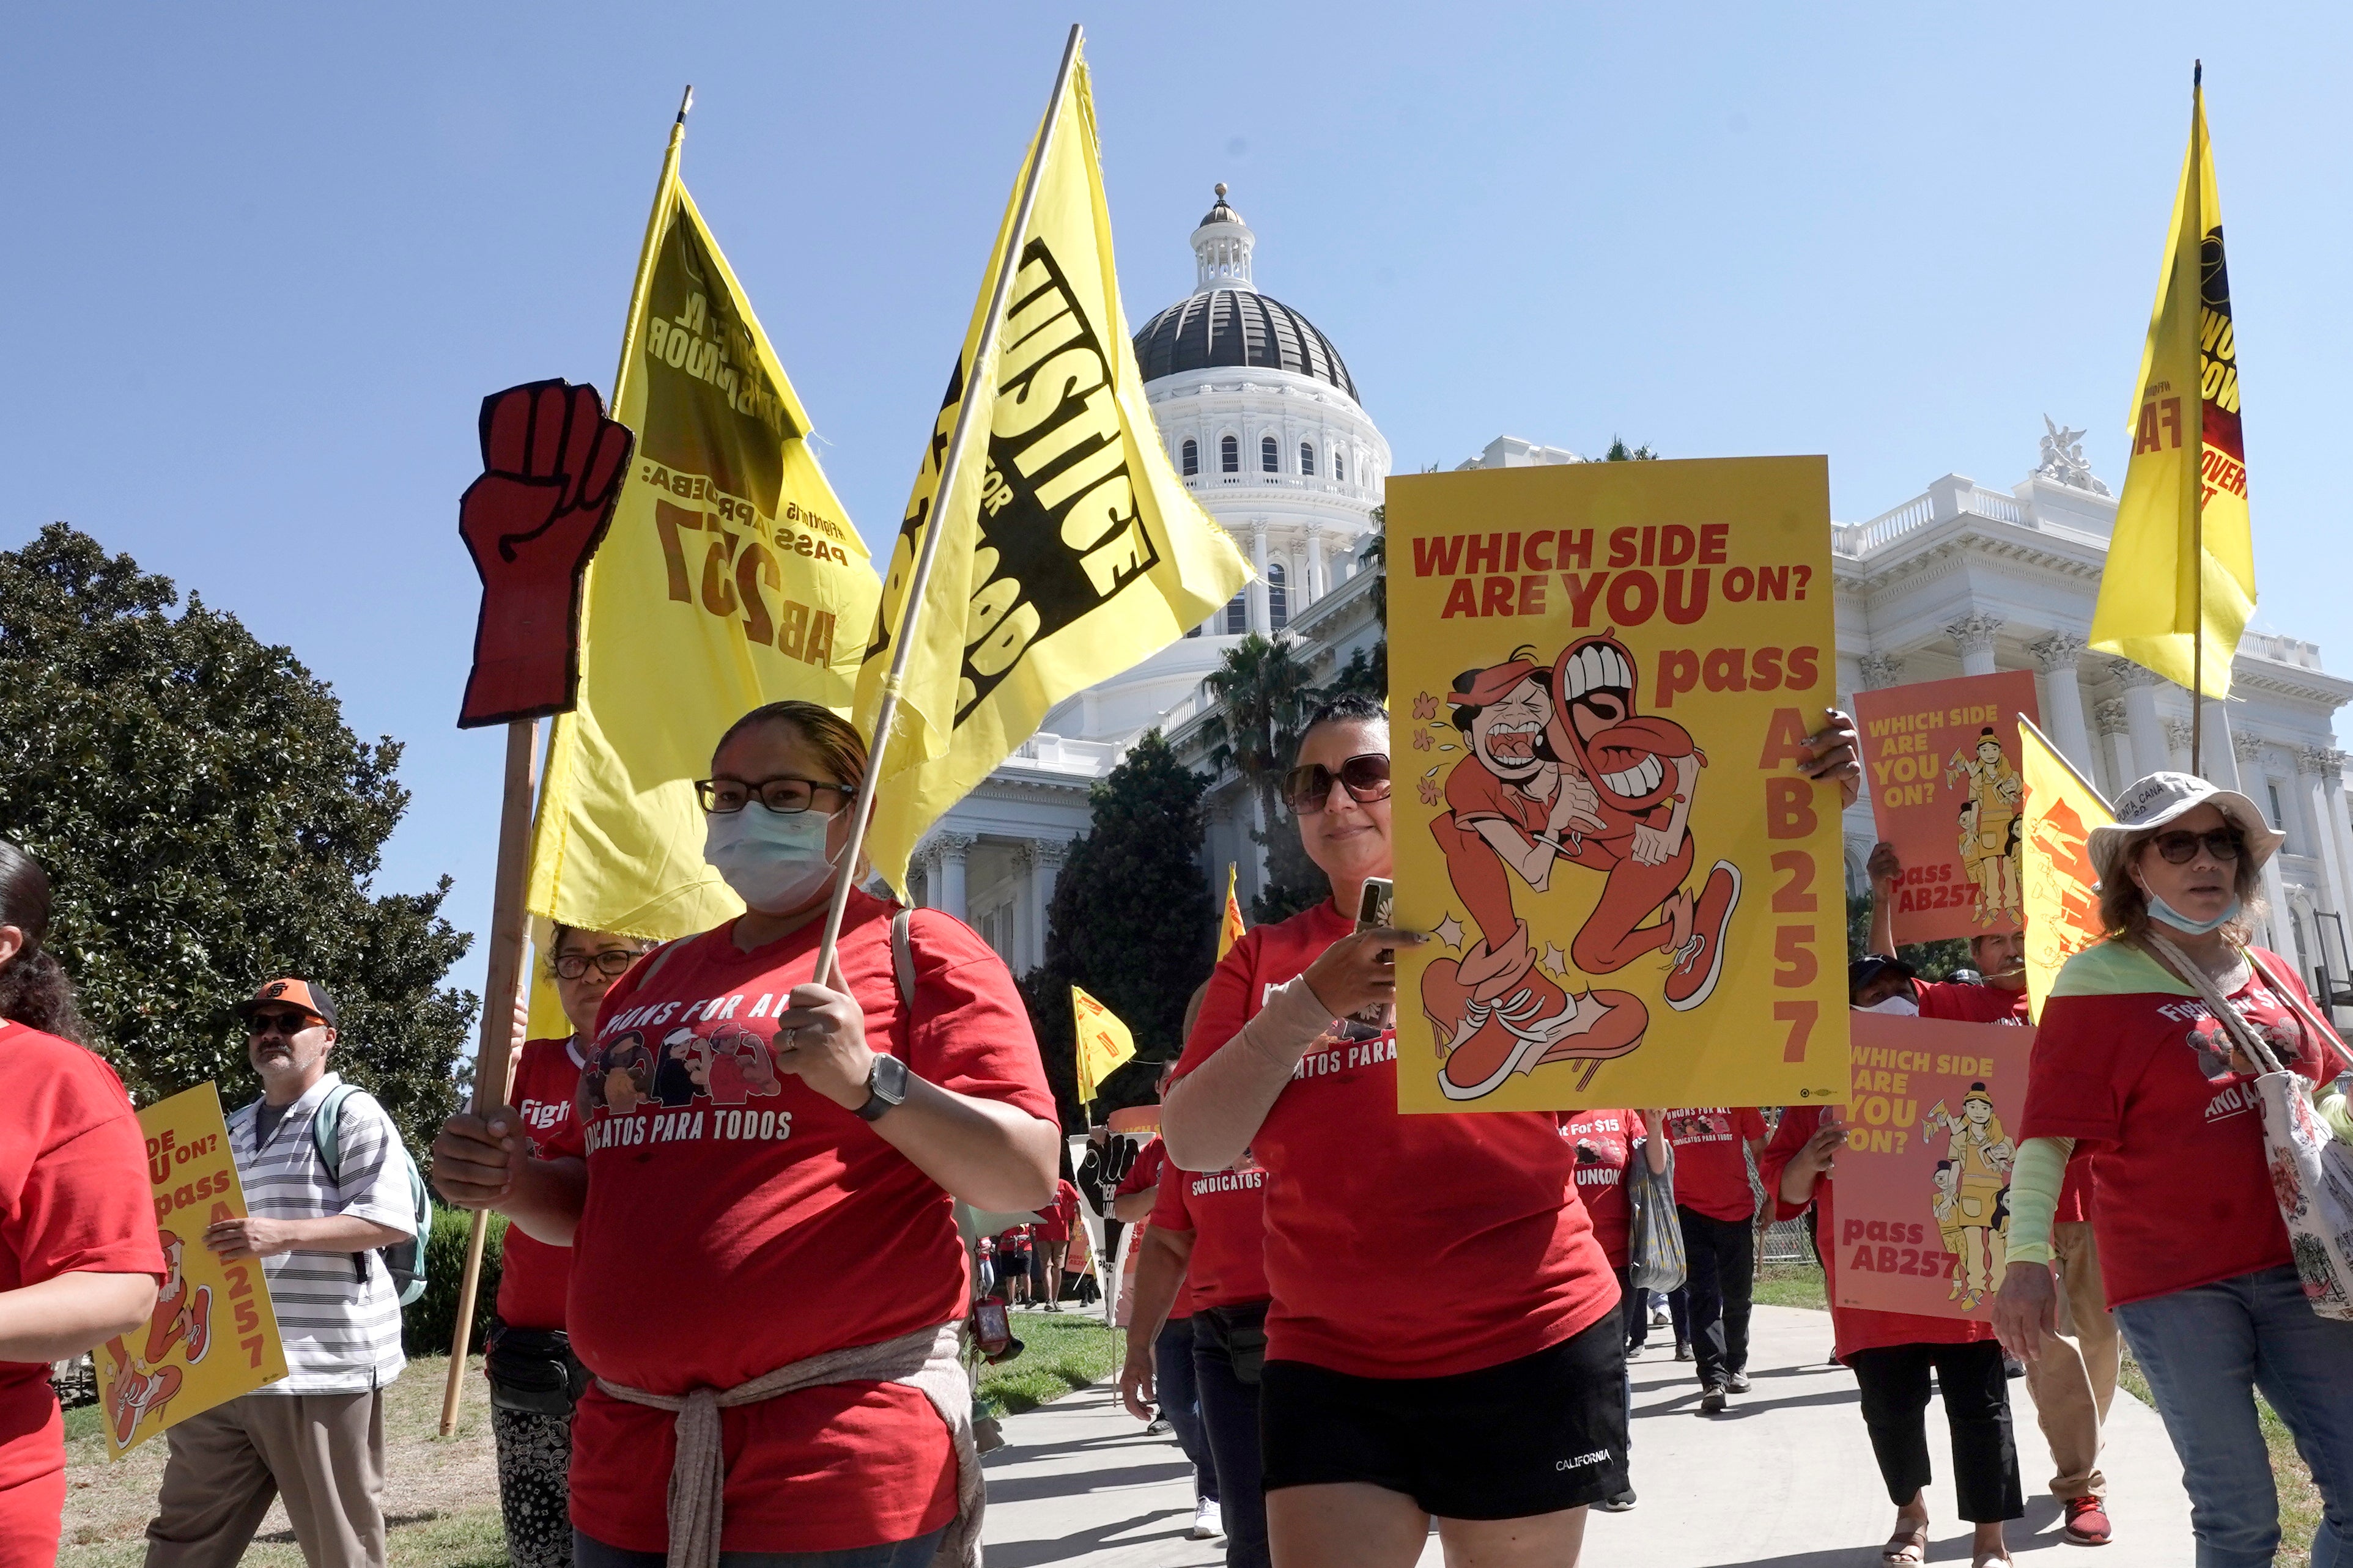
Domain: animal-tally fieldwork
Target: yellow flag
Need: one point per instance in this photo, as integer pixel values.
(2063, 912)
(1103, 1043)
(2181, 526)
(1230, 930)
(1072, 550)
(731, 577)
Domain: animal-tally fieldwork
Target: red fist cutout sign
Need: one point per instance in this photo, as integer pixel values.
(552, 471)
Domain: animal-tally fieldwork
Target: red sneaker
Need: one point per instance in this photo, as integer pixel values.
(1700, 960)
(2087, 1521)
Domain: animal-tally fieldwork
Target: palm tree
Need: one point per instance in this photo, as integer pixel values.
(1621, 453)
(1375, 554)
(1263, 696)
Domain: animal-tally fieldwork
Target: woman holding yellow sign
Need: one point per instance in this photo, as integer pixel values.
(79, 1259)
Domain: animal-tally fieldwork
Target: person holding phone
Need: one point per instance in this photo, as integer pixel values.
(1487, 1395)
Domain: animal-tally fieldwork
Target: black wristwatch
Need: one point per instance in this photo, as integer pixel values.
(886, 1086)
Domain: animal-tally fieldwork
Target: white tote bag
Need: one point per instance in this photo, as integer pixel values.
(2312, 1172)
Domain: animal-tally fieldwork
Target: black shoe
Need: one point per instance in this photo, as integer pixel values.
(1683, 1350)
(1712, 1402)
(1736, 1384)
(1617, 1502)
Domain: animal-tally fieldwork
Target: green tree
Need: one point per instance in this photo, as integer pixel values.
(1264, 697)
(1132, 921)
(1375, 553)
(208, 822)
(1621, 453)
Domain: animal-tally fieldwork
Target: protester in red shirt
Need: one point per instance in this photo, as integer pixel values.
(2073, 1381)
(1719, 1211)
(1206, 1253)
(1051, 1236)
(1605, 1142)
(1444, 1339)
(1013, 1265)
(534, 1378)
(1892, 1353)
(80, 1262)
(768, 1278)
(2146, 1056)
(1160, 1362)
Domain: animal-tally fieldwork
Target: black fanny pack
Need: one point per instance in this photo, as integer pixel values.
(532, 1370)
(1240, 1332)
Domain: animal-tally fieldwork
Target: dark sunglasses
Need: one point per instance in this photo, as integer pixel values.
(2181, 847)
(1366, 777)
(612, 964)
(287, 1023)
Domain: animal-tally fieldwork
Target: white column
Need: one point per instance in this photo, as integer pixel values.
(1973, 633)
(951, 848)
(2250, 778)
(1259, 621)
(2063, 696)
(1046, 858)
(1028, 915)
(2141, 686)
(2116, 746)
(1316, 578)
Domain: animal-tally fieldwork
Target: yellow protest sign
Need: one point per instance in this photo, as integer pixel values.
(1104, 1043)
(213, 1335)
(730, 576)
(2063, 912)
(1602, 674)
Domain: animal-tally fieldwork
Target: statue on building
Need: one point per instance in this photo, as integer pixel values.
(2062, 459)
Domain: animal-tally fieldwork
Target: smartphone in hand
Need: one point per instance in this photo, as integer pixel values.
(1376, 908)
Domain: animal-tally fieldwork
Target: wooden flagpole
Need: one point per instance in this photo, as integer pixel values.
(509, 929)
(911, 612)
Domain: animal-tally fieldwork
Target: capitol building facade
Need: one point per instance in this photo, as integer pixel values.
(1260, 417)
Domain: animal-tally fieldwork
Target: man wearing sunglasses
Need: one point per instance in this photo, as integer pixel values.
(314, 1437)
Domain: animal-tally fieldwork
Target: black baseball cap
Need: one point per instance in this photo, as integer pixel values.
(1870, 966)
(307, 994)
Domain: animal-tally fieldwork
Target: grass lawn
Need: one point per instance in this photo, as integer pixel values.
(442, 1494)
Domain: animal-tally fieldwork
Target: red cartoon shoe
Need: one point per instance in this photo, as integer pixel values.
(135, 1394)
(200, 1324)
(1606, 1024)
(1700, 960)
(1445, 1000)
(1507, 1035)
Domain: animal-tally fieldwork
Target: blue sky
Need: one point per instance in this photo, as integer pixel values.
(267, 259)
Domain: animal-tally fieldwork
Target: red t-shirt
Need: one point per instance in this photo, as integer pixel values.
(1055, 1220)
(74, 1197)
(533, 1275)
(1970, 1003)
(2128, 1063)
(1400, 1245)
(721, 1241)
(1150, 1168)
(1226, 1212)
(1852, 1329)
(1711, 1170)
(1604, 1145)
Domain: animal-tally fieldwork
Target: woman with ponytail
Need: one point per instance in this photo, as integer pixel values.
(78, 1258)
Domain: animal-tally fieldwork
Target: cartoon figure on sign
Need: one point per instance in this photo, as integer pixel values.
(1945, 1205)
(618, 1077)
(1980, 1154)
(135, 1394)
(1989, 823)
(1515, 809)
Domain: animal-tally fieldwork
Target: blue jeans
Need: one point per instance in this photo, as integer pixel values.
(2205, 1352)
(587, 1552)
(1171, 1380)
(1229, 1413)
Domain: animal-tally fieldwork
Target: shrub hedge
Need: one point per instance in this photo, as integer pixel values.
(427, 1324)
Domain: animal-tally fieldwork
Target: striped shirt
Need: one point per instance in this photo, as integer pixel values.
(338, 1315)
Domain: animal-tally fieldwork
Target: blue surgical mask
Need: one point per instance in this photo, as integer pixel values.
(776, 862)
(2158, 910)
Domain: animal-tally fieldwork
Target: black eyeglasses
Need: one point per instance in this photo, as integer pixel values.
(1366, 777)
(287, 1023)
(2181, 848)
(784, 796)
(612, 963)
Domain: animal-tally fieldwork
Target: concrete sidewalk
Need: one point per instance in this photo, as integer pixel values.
(1784, 1479)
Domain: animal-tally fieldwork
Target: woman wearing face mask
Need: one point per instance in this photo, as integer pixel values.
(2132, 1063)
(79, 1255)
(1486, 1391)
(534, 1377)
(769, 1293)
